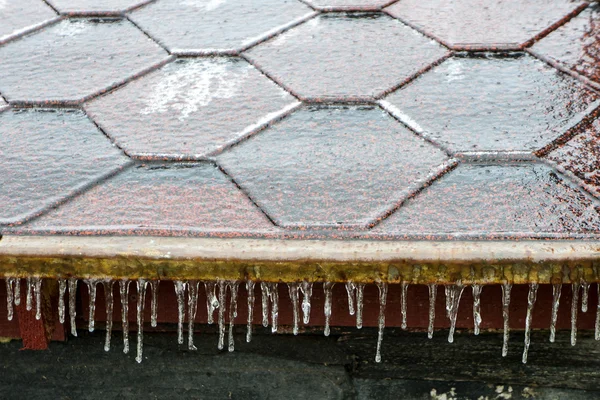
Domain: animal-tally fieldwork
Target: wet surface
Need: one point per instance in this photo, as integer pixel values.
(74, 59)
(506, 104)
(496, 138)
(475, 25)
(575, 45)
(217, 26)
(190, 108)
(346, 56)
(47, 156)
(22, 16)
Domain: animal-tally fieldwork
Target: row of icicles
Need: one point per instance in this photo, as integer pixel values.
(216, 293)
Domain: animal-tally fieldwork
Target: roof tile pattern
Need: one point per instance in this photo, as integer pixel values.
(217, 26)
(336, 119)
(48, 155)
(73, 60)
(190, 108)
(484, 25)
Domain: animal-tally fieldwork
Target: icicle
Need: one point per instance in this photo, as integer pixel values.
(141, 301)
(360, 291)
(574, 301)
(350, 289)
(585, 290)
(328, 289)
(180, 295)
(108, 305)
(222, 297)
(293, 289)
(506, 288)
(556, 288)
(233, 293)
(306, 289)
(29, 284)
(62, 288)
(597, 331)
(211, 300)
(37, 289)
(264, 296)
(91, 284)
(404, 291)
(476, 307)
(448, 300)
(192, 287)
(455, 294)
(154, 305)
(274, 295)
(432, 296)
(250, 290)
(73, 304)
(9, 298)
(533, 288)
(124, 292)
(17, 291)
(383, 289)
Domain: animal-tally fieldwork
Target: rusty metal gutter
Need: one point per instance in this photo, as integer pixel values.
(417, 262)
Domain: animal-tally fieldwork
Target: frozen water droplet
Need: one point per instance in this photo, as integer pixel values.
(233, 293)
(154, 305)
(585, 290)
(556, 289)
(531, 297)
(293, 289)
(73, 305)
(328, 289)
(250, 290)
(29, 284)
(124, 294)
(62, 289)
(141, 301)
(574, 302)
(455, 292)
(350, 289)
(9, 298)
(383, 289)
(476, 307)
(180, 295)
(222, 298)
(404, 293)
(211, 300)
(108, 305)
(506, 288)
(360, 291)
(91, 284)
(192, 287)
(306, 289)
(432, 297)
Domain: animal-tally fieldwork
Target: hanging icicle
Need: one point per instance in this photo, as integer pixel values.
(556, 289)
(250, 291)
(9, 298)
(37, 289)
(222, 306)
(383, 289)
(585, 290)
(574, 302)
(17, 291)
(293, 290)
(360, 292)
(73, 305)
(269, 291)
(211, 300)
(455, 292)
(403, 305)
(328, 290)
(306, 289)
(91, 284)
(476, 307)
(233, 293)
(180, 296)
(124, 294)
(432, 297)
(29, 284)
(62, 289)
(108, 305)
(351, 289)
(506, 288)
(141, 301)
(531, 297)
(154, 305)
(192, 287)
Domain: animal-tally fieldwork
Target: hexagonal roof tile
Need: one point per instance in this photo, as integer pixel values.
(492, 104)
(491, 199)
(346, 57)
(48, 155)
(217, 26)
(487, 25)
(575, 45)
(75, 59)
(332, 166)
(190, 108)
(20, 17)
(96, 8)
